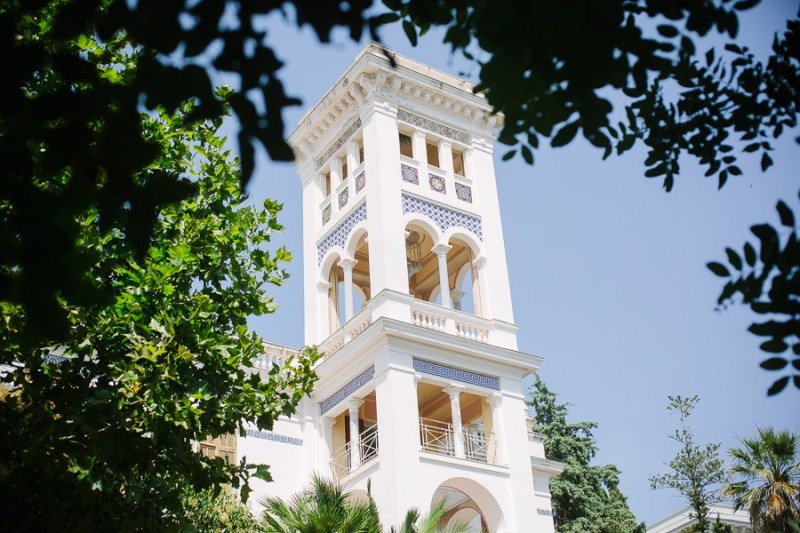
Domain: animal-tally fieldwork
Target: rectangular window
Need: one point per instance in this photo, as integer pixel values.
(344, 167)
(433, 153)
(458, 162)
(327, 184)
(360, 153)
(406, 148)
(223, 446)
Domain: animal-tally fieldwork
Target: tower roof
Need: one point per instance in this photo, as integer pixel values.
(372, 73)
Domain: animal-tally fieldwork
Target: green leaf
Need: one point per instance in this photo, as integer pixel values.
(508, 155)
(787, 217)
(774, 363)
(774, 346)
(719, 269)
(411, 32)
(766, 162)
(734, 259)
(565, 135)
(749, 254)
(667, 30)
(527, 155)
(778, 386)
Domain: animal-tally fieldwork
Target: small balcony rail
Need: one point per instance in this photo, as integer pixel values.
(440, 438)
(342, 460)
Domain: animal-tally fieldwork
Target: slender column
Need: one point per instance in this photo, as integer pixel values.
(326, 428)
(455, 297)
(352, 157)
(444, 286)
(420, 152)
(495, 401)
(336, 180)
(347, 266)
(455, 407)
(355, 436)
(482, 298)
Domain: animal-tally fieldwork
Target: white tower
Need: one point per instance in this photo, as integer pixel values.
(407, 294)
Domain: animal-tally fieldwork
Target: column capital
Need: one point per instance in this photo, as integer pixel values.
(323, 286)
(494, 400)
(480, 262)
(354, 403)
(454, 390)
(327, 422)
(457, 294)
(441, 249)
(347, 264)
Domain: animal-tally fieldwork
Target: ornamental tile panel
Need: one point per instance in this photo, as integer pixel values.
(275, 437)
(445, 218)
(361, 181)
(433, 127)
(456, 374)
(326, 214)
(409, 174)
(464, 192)
(359, 381)
(340, 234)
(343, 138)
(437, 183)
(344, 196)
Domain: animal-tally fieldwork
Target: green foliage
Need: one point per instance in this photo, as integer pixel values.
(586, 498)
(766, 474)
(217, 510)
(99, 431)
(323, 507)
(70, 135)
(696, 470)
(766, 277)
(430, 523)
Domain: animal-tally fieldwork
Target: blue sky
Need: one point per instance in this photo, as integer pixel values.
(606, 269)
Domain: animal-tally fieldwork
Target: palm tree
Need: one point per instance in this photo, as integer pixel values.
(321, 508)
(767, 473)
(431, 523)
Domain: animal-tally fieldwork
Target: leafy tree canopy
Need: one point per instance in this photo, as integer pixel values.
(586, 498)
(98, 429)
(696, 471)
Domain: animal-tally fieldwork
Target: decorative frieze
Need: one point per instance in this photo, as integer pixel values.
(275, 437)
(343, 138)
(456, 374)
(431, 126)
(445, 218)
(359, 381)
(340, 234)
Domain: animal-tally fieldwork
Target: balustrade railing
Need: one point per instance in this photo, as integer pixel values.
(341, 461)
(436, 436)
(479, 445)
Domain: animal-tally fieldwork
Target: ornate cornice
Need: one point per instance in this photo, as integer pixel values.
(372, 78)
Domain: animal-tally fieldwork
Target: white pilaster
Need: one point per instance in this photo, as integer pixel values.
(444, 285)
(353, 406)
(347, 266)
(455, 407)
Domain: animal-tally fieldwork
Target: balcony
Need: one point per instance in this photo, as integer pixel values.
(440, 438)
(345, 461)
(428, 315)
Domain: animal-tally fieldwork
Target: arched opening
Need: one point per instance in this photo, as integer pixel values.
(470, 503)
(354, 271)
(462, 277)
(421, 261)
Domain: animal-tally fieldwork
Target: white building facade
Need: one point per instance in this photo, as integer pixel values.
(406, 292)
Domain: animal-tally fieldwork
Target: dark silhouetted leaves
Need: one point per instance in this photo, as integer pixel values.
(719, 269)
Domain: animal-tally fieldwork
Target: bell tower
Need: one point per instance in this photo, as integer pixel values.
(407, 295)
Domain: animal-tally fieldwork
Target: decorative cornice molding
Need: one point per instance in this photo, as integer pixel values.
(357, 382)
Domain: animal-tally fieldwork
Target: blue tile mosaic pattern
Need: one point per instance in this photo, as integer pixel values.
(342, 231)
(456, 374)
(464, 192)
(445, 218)
(433, 127)
(343, 138)
(409, 174)
(268, 435)
(344, 392)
